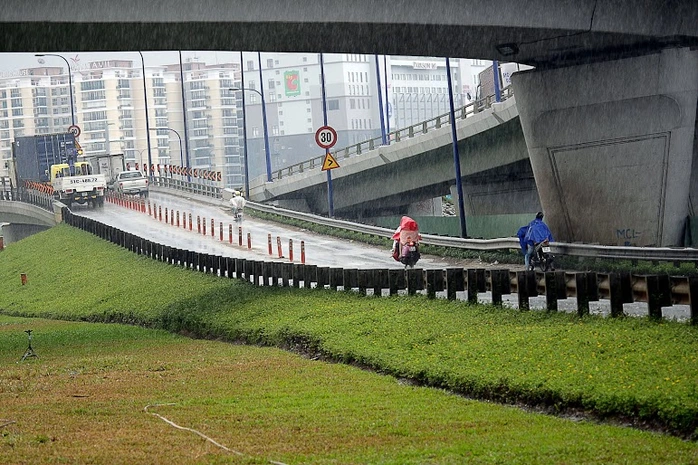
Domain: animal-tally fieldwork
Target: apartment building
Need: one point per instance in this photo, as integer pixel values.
(195, 111)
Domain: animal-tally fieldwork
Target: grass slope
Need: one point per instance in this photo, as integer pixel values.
(640, 371)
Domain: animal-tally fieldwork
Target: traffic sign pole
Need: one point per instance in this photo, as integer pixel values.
(330, 200)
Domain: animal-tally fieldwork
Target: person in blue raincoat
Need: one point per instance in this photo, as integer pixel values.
(533, 234)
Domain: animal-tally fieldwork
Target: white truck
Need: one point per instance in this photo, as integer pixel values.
(110, 165)
(78, 184)
(131, 182)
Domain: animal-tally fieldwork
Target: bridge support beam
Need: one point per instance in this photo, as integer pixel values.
(612, 146)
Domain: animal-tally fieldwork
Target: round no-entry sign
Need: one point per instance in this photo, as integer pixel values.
(326, 137)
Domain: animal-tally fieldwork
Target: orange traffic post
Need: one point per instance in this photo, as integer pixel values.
(249, 241)
(240, 236)
(230, 233)
(150, 210)
(278, 246)
(178, 218)
(290, 250)
(2, 243)
(269, 241)
(198, 224)
(171, 217)
(23, 277)
(303, 252)
(203, 226)
(213, 227)
(190, 223)
(221, 230)
(166, 215)
(160, 212)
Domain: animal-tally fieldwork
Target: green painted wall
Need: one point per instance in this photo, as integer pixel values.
(479, 227)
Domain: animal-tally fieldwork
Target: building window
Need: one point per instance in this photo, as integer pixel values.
(270, 63)
(250, 65)
(332, 104)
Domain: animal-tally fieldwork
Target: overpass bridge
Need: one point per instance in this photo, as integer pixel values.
(20, 219)
(608, 115)
(385, 180)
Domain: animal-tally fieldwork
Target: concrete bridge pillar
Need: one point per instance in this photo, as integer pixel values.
(612, 146)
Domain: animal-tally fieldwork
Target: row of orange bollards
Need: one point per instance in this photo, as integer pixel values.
(169, 218)
(128, 201)
(290, 248)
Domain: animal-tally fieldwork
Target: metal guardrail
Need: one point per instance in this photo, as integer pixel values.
(507, 243)
(395, 136)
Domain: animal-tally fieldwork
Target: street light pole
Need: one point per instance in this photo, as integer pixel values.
(70, 81)
(181, 153)
(244, 129)
(266, 138)
(147, 123)
(456, 154)
(264, 117)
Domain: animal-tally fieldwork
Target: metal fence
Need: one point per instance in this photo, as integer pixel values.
(619, 288)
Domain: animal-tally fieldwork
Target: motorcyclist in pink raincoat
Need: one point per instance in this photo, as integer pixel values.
(406, 242)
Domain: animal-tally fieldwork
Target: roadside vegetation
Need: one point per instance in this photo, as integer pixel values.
(515, 257)
(630, 370)
(84, 400)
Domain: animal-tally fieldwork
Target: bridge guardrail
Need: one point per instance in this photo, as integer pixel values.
(670, 254)
(665, 254)
(399, 134)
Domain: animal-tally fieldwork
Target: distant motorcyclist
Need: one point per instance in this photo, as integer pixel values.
(532, 235)
(406, 242)
(238, 203)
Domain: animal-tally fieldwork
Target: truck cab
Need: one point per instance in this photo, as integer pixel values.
(77, 183)
(62, 170)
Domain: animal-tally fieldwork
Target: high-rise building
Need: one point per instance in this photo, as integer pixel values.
(195, 108)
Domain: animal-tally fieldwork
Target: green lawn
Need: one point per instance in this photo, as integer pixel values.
(83, 400)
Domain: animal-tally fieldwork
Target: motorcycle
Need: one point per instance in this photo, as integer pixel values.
(542, 258)
(406, 242)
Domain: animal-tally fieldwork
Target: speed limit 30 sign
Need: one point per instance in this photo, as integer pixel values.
(326, 137)
(74, 130)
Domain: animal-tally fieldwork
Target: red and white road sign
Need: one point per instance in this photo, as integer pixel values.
(326, 137)
(74, 129)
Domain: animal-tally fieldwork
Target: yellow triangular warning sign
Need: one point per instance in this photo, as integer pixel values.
(329, 163)
(78, 147)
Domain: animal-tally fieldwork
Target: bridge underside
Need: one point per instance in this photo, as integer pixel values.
(543, 33)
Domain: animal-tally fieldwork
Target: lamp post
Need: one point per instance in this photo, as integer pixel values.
(147, 123)
(181, 153)
(140, 157)
(456, 154)
(70, 81)
(266, 136)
